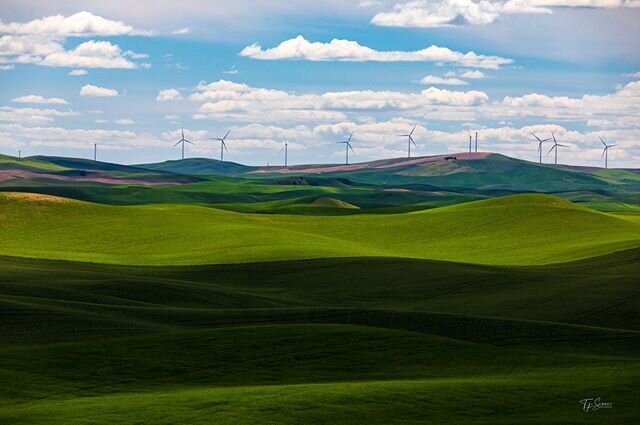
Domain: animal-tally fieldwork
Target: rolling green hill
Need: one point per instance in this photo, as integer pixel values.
(492, 172)
(204, 292)
(383, 186)
(86, 164)
(521, 229)
(199, 166)
(340, 340)
(11, 162)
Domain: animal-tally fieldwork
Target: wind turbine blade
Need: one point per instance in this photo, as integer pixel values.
(602, 141)
(554, 138)
(536, 137)
(603, 152)
(224, 145)
(539, 146)
(351, 148)
(610, 146)
(413, 129)
(564, 146)
(178, 143)
(412, 141)
(350, 136)
(225, 136)
(188, 141)
(552, 148)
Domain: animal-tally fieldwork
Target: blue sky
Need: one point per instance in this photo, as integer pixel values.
(269, 71)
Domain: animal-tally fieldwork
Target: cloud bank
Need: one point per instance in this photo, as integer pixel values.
(346, 50)
(440, 13)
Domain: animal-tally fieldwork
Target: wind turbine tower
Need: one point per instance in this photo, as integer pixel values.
(95, 151)
(347, 146)
(605, 153)
(183, 141)
(476, 141)
(409, 140)
(555, 147)
(285, 148)
(540, 143)
(223, 145)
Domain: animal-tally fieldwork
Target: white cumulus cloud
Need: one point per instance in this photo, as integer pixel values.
(32, 115)
(41, 42)
(475, 74)
(78, 72)
(91, 90)
(168, 95)
(90, 54)
(446, 81)
(229, 100)
(181, 31)
(78, 24)
(347, 50)
(32, 98)
(439, 13)
(125, 121)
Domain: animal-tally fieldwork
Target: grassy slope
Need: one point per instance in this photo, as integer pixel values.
(309, 374)
(494, 171)
(193, 353)
(198, 166)
(11, 162)
(49, 301)
(523, 229)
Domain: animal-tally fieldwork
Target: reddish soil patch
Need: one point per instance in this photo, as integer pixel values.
(379, 164)
(6, 175)
(427, 159)
(315, 169)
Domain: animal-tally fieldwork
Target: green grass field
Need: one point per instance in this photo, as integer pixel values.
(446, 293)
(406, 341)
(518, 230)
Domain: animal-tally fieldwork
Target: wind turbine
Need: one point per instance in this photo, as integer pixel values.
(285, 148)
(555, 146)
(95, 151)
(476, 141)
(223, 145)
(469, 142)
(183, 141)
(347, 146)
(540, 142)
(409, 140)
(605, 153)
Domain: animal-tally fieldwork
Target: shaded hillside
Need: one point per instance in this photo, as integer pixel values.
(87, 164)
(385, 341)
(42, 172)
(492, 172)
(199, 166)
